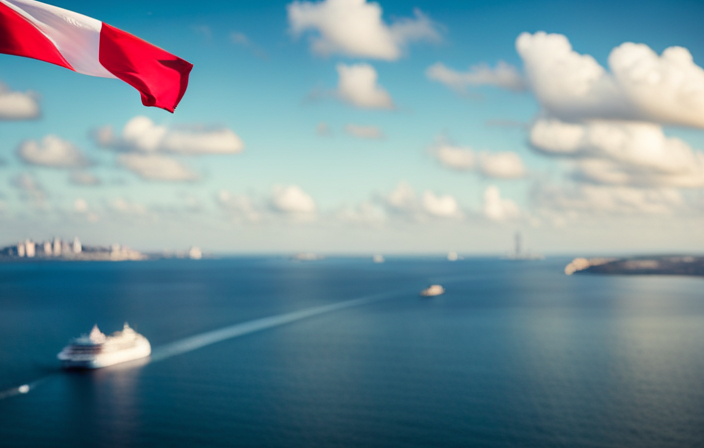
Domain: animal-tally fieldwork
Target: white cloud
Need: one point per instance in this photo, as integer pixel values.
(141, 134)
(366, 132)
(292, 200)
(499, 165)
(460, 158)
(497, 208)
(402, 199)
(504, 75)
(440, 206)
(585, 200)
(84, 178)
(641, 86)
(240, 207)
(18, 105)
(156, 167)
(621, 153)
(355, 28)
(358, 87)
(51, 151)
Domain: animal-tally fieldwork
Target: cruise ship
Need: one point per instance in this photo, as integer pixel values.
(432, 291)
(96, 350)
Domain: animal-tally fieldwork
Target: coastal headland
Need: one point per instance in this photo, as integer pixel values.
(642, 265)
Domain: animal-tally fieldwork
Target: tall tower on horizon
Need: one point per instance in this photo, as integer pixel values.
(518, 242)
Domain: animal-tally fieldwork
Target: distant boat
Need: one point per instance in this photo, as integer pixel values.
(452, 256)
(96, 350)
(378, 258)
(432, 291)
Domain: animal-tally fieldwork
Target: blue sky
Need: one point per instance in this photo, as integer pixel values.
(303, 189)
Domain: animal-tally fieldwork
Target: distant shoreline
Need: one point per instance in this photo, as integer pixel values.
(682, 265)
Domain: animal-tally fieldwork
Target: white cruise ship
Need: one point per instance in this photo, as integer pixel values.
(96, 350)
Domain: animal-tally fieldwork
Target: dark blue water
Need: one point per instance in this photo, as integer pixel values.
(514, 355)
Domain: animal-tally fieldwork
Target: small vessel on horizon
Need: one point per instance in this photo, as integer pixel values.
(432, 291)
(97, 350)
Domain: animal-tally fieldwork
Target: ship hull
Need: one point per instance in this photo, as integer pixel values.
(100, 360)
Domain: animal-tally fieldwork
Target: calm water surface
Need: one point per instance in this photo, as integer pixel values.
(515, 354)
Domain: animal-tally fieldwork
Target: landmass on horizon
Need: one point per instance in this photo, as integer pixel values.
(642, 265)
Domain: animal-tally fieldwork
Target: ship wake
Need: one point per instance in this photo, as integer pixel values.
(211, 337)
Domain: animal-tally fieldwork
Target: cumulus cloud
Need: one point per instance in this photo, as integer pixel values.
(356, 28)
(641, 85)
(404, 202)
(293, 201)
(156, 167)
(84, 178)
(499, 165)
(621, 153)
(358, 86)
(141, 134)
(51, 151)
(440, 206)
(366, 132)
(402, 199)
(459, 158)
(504, 75)
(497, 208)
(18, 105)
(583, 200)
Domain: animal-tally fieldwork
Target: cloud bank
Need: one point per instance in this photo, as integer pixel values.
(640, 86)
(141, 134)
(156, 167)
(621, 153)
(498, 165)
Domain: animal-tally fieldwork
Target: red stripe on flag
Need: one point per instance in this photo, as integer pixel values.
(20, 38)
(161, 77)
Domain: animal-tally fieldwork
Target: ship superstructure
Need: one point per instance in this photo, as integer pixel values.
(97, 350)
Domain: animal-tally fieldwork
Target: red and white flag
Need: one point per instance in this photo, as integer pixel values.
(89, 46)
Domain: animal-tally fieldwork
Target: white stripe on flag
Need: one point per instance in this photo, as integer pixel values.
(76, 36)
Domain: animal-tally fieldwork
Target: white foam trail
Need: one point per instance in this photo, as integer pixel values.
(241, 329)
(21, 390)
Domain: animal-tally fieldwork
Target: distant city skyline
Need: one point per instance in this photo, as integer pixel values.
(346, 126)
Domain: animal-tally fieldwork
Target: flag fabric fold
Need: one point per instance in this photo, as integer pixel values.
(85, 45)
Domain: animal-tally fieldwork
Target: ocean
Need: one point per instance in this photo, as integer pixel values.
(342, 352)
